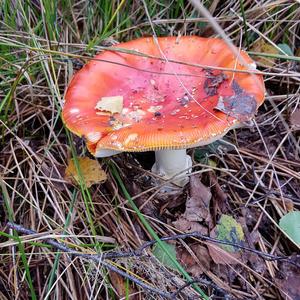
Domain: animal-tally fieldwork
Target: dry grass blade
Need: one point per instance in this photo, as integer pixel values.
(252, 176)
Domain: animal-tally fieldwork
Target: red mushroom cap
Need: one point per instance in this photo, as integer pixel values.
(126, 102)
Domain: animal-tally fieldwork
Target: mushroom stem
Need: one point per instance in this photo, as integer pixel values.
(171, 162)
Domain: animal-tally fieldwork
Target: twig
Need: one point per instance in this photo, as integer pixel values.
(202, 281)
(195, 234)
(99, 258)
(94, 257)
(133, 52)
(140, 250)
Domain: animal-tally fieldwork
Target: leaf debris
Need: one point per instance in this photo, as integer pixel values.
(89, 171)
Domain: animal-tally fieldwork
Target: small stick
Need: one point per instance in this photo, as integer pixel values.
(195, 234)
(201, 281)
(139, 251)
(94, 257)
(99, 258)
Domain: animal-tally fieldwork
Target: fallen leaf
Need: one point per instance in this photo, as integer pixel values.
(251, 240)
(228, 230)
(188, 261)
(89, 171)
(241, 105)
(122, 288)
(219, 200)
(213, 82)
(221, 256)
(263, 47)
(290, 224)
(172, 200)
(219, 196)
(197, 206)
(112, 104)
(289, 204)
(289, 279)
(184, 225)
(257, 262)
(147, 207)
(161, 255)
(286, 49)
(295, 119)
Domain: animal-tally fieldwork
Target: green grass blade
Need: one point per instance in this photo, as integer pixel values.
(20, 246)
(160, 243)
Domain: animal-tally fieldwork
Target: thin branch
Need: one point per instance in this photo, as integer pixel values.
(198, 235)
(140, 250)
(48, 52)
(94, 257)
(204, 282)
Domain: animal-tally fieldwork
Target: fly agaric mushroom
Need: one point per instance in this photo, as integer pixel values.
(121, 101)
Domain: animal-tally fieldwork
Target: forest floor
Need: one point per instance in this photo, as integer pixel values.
(87, 239)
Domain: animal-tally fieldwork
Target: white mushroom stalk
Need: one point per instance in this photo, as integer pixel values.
(173, 163)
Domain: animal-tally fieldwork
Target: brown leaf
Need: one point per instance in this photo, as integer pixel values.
(289, 281)
(289, 204)
(173, 199)
(90, 171)
(120, 286)
(219, 196)
(147, 207)
(184, 225)
(186, 258)
(241, 106)
(295, 119)
(263, 47)
(221, 256)
(212, 82)
(197, 206)
(251, 238)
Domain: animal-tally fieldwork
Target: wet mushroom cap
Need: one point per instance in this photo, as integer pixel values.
(126, 102)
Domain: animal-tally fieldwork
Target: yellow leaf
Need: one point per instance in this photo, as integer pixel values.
(211, 163)
(110, 104)
(90, 171)
(263, 47)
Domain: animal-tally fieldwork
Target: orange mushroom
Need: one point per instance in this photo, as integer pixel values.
(121, 101)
